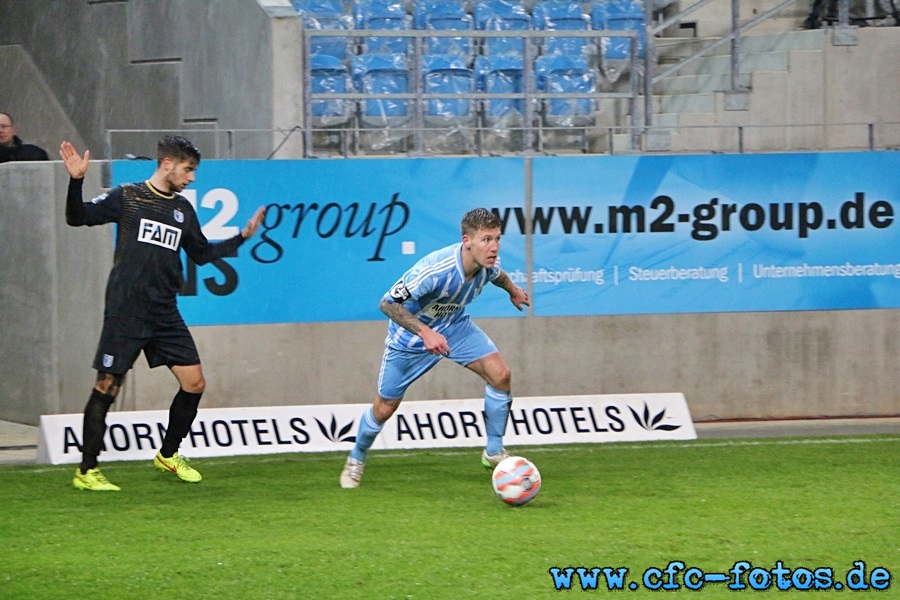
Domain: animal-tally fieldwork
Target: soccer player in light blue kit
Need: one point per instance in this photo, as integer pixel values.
(429, 321)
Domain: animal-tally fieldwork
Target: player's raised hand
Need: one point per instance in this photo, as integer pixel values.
(76, 165)
(254, 222)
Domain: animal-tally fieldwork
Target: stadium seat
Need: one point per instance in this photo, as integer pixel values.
(502, 15)
(619, 15)
(500, 74)
(385, 117)
(330, 118)
(502, 117)
(383, 15)
(328, 75)
(449, 121)
(563, 15)
(568, 117)
(326, 15)
(444, 15)
(447, 74)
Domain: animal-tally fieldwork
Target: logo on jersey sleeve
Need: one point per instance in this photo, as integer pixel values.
(399, 292)
(159, 234)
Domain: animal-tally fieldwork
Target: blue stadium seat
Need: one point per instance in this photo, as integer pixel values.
(383, 15)
(326, 15)
(619, 15)
(444, 15)
(328, 75)
(385, 118)
(447, 74)
(502, 15)
(449, 121)
(500, 74)
(560, 73)
(330, 118)
(502, 117)
(382, 74)
(562, 15)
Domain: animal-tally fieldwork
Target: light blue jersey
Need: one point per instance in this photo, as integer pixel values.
(435, 290)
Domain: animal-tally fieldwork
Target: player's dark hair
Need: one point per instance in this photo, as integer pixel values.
(477, 219)
(176, 148)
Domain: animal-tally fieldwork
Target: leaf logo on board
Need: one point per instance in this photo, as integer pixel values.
(331, 432)
(652, 424)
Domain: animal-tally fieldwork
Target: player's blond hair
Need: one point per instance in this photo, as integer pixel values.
(478, 219)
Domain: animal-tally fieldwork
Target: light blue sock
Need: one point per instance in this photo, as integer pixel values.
(369, 428)
(496, 411)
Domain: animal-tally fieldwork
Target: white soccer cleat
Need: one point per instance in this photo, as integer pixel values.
(352, 473)
(490, 462)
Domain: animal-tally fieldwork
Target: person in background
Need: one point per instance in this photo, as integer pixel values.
(11, 147)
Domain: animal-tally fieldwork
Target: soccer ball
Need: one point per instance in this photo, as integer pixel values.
(516, 480)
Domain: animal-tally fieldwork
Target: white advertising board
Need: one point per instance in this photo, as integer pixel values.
(417, 424)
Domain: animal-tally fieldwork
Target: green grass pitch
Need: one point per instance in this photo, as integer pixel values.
(425, 524)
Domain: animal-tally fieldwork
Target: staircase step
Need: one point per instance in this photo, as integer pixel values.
(690, 102)
(675, 49)
(674, 103)
(687, 84)
(621, 143)
(791, 40)
(748, 63)
(666, 120)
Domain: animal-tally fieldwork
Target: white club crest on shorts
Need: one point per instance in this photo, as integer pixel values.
(179, 216)
(107, 360)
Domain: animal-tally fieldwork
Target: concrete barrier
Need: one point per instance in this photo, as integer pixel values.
(728, 365)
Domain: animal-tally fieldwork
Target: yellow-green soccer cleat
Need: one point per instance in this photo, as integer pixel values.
(178, 465)
(93, 481)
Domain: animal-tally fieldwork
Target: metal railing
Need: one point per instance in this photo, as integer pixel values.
(288, 143)
(534, 129)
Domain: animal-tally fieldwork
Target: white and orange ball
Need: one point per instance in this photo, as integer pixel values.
(516, 480)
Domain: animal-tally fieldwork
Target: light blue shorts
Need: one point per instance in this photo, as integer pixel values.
(400, 368)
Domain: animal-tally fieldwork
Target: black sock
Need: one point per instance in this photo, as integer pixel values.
(181, 417)
(93, 428)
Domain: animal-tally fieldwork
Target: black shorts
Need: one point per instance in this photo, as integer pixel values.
(165, 341)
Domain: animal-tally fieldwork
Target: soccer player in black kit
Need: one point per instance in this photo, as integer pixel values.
(155, 224)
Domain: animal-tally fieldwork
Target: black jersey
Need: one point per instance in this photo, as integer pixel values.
(153, 227)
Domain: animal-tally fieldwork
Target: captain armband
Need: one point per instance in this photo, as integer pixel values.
(399, 293)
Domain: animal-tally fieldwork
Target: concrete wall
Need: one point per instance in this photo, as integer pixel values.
(52, 279)
(714, 19)
(732, 365)
(811, 82)
(153, 64)
(24, 90)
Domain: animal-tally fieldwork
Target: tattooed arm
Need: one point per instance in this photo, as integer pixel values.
(435, 343)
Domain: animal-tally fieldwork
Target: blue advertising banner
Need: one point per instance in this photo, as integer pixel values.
(675, 234)
(337, 234)
(611, 235)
